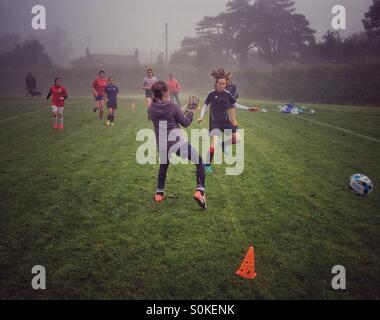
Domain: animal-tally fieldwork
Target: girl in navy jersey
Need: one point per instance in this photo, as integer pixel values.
(221, 104)
(112, 92)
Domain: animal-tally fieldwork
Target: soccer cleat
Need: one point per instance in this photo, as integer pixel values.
(159, 197)
(201, 199)
(208, 168)
(108, 123)
(112, 124)
(55, 126)
(61, 127)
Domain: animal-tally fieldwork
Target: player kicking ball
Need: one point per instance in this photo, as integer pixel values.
(167, 115)
(112, 92)
(58, 96)
(222, 117)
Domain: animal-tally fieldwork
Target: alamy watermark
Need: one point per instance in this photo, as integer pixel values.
(39, 280)
(339, 20)
(338, 282)
(39, 18)
(176, 143)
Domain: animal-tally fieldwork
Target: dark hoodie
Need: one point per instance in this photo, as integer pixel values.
(170, 114)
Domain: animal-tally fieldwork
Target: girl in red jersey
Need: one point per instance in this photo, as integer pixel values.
(99, 85)
(58, 95)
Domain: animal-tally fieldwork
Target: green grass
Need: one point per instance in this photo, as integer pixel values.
(79, 204)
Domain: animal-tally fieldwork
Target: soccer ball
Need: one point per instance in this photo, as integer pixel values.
(312, 112)
(360, 184)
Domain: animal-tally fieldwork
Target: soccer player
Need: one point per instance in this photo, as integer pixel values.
(112, 92)
(149, 81)
(99, 85)
(58, 95)
(221, 103)
(233, 89)
(174, 89)
(165, 113)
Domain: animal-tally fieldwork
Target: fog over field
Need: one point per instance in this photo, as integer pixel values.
(121, 26)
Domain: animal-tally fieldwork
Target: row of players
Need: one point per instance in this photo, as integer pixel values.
(222, 104)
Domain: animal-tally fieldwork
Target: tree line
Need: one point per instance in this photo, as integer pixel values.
(272, 30)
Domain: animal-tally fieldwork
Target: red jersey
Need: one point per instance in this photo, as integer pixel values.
(58, 96)
(173, 85)
(100, 85)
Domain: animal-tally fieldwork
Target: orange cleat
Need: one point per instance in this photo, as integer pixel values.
(61, 127)
(55, 126)
(201, 199)
(158, 197)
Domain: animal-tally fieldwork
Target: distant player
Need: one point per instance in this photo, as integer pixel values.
(112, 92)
(163, 111)
(99, 85)
(58, 95)
(233, 89)
(221, 103)
(149, 81)
(174, 89)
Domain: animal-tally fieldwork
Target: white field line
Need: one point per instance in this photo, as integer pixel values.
(341, 129)
(21, 114)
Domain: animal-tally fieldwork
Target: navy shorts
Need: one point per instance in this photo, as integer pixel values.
(112, 105)
(148, 94)
(98, 98)
(217, 127)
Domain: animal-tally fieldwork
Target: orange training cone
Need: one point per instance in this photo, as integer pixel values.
(247, 268)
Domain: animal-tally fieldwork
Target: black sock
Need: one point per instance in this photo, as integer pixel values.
(112, 118)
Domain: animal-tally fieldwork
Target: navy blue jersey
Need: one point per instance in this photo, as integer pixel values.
(111, 92)
(220, 103)
(234, 90)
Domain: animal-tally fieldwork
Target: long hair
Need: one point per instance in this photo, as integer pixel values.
(220, 74)
(159, 89)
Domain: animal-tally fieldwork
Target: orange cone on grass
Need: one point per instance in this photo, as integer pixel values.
(247, 268)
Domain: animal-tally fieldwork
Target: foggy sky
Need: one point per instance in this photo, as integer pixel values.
(121, 26)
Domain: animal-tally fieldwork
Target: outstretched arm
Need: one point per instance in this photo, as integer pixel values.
(241, 107)
(203, 112)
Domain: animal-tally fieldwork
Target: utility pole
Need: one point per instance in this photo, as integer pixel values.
(166, 43)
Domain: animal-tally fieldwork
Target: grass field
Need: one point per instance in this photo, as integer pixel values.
(77, 203)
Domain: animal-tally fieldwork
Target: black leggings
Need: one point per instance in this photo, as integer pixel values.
(191, 154)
